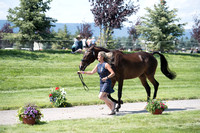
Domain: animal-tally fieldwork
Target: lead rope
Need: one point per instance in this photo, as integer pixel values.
(82, 81)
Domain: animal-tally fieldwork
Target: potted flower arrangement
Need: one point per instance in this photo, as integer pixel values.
(29, 114)
(156, 106)
(57, 97)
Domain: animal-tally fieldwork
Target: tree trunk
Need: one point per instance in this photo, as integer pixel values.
(104, 37)
(133, 43)
(100, 35)
(31, 43)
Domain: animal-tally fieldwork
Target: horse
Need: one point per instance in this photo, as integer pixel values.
(129, 66)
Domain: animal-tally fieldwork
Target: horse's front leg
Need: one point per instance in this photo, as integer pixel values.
(109, 96)
(120, 85)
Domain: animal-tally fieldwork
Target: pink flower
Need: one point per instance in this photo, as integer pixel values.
(50, 95)
(56, 88)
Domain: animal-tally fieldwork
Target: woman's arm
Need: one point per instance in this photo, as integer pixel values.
(89, 72)
(112, 73)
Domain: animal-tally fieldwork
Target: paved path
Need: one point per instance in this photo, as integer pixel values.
(8, 117)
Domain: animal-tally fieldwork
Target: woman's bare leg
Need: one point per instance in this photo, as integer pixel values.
(103, 96)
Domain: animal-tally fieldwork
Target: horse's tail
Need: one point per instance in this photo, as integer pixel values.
(164, 67)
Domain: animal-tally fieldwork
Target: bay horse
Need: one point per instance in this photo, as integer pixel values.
(129, 66)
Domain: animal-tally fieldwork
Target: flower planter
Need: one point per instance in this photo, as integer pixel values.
(29, 120)
(158, 112)
(29, 114)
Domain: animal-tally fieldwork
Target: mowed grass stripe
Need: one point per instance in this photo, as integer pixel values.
(29, 76)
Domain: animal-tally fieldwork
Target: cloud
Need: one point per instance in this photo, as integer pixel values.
(74, 11)
(186, 9)
(5, 5)
(3, 10)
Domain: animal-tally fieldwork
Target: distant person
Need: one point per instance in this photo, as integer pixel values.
(196, 50)
(93, 41)
(85, 45)
(78, 45)
(192, 50)
(89, 42)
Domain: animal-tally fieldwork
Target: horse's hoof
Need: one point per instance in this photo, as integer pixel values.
(117, 110)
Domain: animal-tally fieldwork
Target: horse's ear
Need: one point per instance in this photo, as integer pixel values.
(86, 45)
(93, 51)
(92, 47)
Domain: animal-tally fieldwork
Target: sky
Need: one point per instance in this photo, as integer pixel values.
(78, 11)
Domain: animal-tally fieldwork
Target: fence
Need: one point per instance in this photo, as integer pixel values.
(184, 46)
(36, 45)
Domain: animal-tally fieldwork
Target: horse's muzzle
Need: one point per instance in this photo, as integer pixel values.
(82, 68)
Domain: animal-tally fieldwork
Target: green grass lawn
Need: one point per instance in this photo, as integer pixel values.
(173, 122)
(28, 77)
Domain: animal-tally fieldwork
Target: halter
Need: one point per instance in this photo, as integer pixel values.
(81, 77)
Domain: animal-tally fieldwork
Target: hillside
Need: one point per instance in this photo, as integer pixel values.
(72, 28)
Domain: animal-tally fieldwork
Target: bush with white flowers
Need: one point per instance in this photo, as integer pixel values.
(57, 97)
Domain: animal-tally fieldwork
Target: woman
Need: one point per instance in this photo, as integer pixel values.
(78, 45)
(105, 73)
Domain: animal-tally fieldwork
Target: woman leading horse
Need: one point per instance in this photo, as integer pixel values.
(105, 73)
(129, 66)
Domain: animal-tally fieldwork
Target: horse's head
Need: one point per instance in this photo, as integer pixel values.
(89, 57)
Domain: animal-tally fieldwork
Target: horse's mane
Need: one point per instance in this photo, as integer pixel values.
(103, 49)
(107, 50)
(113, 56)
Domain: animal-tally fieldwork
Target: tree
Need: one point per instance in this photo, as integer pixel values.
(85, 30)
(31, 19)
(133, 33)
(110, 14)
(64, 39)
(159, 27)
(196, 29)
(5, 30)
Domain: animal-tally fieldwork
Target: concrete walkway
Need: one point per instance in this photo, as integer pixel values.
(9, 117)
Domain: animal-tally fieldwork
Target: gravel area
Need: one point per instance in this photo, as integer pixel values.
(9, 117)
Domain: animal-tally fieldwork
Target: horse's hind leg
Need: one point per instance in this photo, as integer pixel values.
(143, 80)
(120, 85)
(155, 84)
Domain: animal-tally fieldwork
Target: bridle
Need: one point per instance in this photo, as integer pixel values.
(81, 76)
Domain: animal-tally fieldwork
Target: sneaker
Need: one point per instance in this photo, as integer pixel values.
(112, 113)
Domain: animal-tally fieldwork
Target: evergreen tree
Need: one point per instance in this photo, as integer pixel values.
(63, 39)
(159, 27)
(31, 19)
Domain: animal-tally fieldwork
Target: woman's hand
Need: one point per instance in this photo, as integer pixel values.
(80, 72)
(104, 79)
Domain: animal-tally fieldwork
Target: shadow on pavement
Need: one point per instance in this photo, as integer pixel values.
(121, 113)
